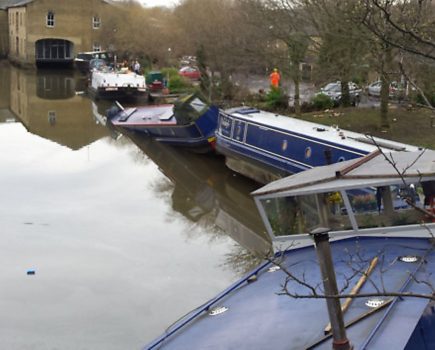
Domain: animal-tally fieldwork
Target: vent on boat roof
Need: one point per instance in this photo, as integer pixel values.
(409, 258)
(218, 310)
(379, 143)
(375, 302)
(247, 110)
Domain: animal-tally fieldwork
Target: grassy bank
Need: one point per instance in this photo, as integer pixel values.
(411, 126)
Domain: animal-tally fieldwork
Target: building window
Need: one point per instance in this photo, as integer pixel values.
(16, 21)
(96, 47)
(50, 19)
(96, 22)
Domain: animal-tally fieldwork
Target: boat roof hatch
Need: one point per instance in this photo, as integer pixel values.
(244, 110)
(166, 115)
(366, 171)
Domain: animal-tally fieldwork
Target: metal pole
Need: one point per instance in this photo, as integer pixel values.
(323, 249)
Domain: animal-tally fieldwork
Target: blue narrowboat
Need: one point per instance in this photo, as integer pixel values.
(266, 146)
(351, 270)
(189, 122)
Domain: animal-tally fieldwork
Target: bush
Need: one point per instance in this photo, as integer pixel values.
(420, 100)
(276, 98)
(177, 84)
(322, 101)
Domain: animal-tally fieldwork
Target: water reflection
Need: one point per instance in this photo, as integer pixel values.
(205, 192)
(47, 104)
(5, 95)
(108, 252)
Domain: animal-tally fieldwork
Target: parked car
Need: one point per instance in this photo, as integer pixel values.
(188, 61)
(190, 72)
(374, 89)
(396, 89)
(333, 91)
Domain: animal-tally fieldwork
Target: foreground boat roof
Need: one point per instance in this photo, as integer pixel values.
(252, 315)
(371, 170)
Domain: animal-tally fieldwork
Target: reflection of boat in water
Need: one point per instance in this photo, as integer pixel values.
(266, 146)
(203, 186)
(189, 122)
(379, 261)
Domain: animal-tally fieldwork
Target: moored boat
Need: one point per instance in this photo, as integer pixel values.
(83, 59)
(107, 83)
(266, 146)
(189, 122)
(371, 252)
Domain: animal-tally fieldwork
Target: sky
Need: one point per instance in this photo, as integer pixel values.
(151, 3)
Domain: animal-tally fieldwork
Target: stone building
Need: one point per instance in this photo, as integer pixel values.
(51, 31)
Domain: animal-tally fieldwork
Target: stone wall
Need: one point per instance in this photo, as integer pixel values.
(73, 21)
(4, 34)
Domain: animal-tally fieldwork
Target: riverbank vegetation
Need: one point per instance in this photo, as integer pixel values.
(307, 40)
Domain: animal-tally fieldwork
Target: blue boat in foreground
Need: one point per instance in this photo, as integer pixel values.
(266, 146)
(351, 268)
(189, 122)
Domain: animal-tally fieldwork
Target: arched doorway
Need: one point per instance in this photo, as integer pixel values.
(54, 52)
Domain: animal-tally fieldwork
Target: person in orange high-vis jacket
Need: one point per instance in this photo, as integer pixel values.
(275, 78)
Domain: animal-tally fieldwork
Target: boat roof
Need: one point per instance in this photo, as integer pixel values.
(328, 133)
(251, 314)
(373, 169)
(146, 115)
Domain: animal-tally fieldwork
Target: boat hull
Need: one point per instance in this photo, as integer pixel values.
(116, 93)
(271, 146)
(197, 136)
(265, 153)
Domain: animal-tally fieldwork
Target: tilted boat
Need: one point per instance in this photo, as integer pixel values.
(266, 146)
(108, 83)
(353, 267)
(189, 122)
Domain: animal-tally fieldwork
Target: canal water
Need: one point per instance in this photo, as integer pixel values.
(105, 240)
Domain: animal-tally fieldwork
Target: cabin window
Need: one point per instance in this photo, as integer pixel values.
(385, 206)
(301, 214)
(96, 22)
(50, 19)
(96, 47)
(186, 112)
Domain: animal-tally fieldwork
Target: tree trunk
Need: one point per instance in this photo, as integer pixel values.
(297, 98)
(385, 86)
(345, 95)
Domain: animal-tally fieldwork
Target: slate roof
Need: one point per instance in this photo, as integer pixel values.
(4, 4)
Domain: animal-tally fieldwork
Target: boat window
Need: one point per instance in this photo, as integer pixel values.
(198, 105)
(385, 206)
(188, 110)
(302, 214)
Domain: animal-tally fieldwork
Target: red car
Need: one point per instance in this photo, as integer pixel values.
(190, 72)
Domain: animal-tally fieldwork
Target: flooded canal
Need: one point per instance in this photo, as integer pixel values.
(105, 242)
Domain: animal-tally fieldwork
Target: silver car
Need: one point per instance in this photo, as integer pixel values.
(333, 91)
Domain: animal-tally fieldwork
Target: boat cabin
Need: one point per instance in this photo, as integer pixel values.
(381, 194)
